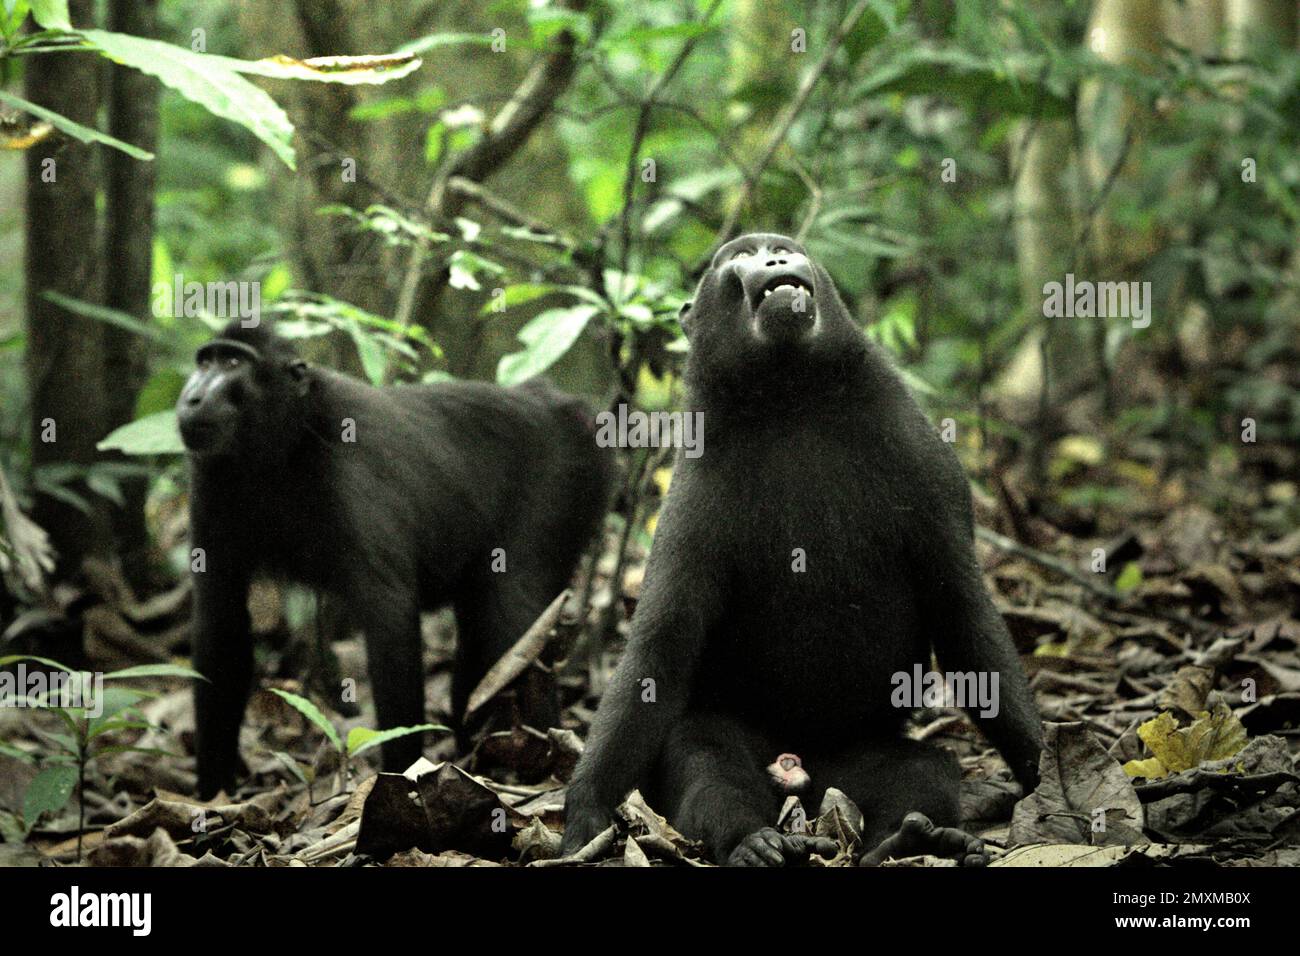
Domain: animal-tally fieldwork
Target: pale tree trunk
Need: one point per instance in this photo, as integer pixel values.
(128, 253)
(64, 351)
(1113, 125)
(1250, 25)
(1196, 25)
(1041, 160)
(1042, 164)
(1121, 32)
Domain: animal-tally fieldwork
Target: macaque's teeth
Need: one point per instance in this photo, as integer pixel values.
(794, 287)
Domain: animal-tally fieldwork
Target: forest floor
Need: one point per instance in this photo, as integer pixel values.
(1169, 683)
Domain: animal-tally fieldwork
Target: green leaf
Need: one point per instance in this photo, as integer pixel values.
(113, 317)
(277, 282)
(23, 756)
(312, 713)
(15, 658)
(292, 766)
(12, 17)
(51, 14)
(48, 792)
(518, 293)
(464, 267)
(106, 486)
(547, 337)
(84, 134)
(112, 702)
(1129, 578)
(428, 101)
(68, 743)
(348, 70)
(361, 739)
(916, 383)
(373, 360)
(160, 392)
(108, 726)
(162, 274)
(550, 21)
(154, 670)
(1010, 86)
(155, 434)
(49, 479)
(205, 80)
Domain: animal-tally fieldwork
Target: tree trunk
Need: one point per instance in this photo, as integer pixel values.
(1252, 25)
(64, 351)
(128, 251)
(1114, 124)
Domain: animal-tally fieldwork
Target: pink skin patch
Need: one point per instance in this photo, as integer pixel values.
(788, 774)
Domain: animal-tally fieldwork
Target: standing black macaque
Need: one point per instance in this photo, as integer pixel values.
(821, 543)
(395, 499)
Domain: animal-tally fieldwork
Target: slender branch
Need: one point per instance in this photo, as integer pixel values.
(814, 199)
(784, 123)
(1003, 543)
(509, 213)
(510, 129)
(642, 127)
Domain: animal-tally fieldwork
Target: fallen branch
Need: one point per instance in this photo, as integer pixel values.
(1088, 583)
(1003, 543)
(516, 660)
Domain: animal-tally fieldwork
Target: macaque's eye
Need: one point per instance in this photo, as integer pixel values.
(741, 254)
(780, 251)
(233, 361)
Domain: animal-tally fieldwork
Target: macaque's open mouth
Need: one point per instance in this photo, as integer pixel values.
(786, 288)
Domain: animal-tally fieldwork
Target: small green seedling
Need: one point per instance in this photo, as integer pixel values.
(360, 739)
(63, 769)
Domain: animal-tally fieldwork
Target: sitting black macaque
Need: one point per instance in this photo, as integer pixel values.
(821, 543)
(397, 500)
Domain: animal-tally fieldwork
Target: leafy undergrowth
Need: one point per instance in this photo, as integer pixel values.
(1169, 681)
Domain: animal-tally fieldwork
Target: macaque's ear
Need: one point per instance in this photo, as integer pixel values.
(684, 317)
(302, 381)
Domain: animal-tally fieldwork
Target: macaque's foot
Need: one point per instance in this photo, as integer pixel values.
(771, 847)
(918, 836)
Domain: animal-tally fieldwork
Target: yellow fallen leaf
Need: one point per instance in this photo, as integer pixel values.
(1151, 768)
(1049, 649)
(1212, 736)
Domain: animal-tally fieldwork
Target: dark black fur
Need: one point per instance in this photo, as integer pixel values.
(811, 441)
(405, 519)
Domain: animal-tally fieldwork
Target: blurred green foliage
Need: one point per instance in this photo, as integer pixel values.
(930, 265)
